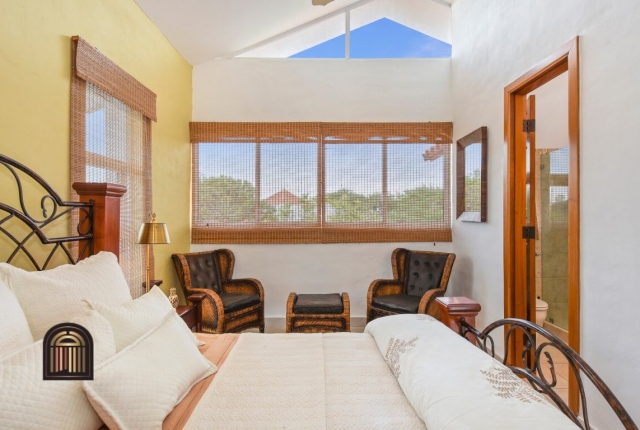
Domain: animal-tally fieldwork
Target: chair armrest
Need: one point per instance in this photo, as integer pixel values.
(384, 287)
(427, 306)
(197, 299)
(244, 286)
(346, 311)
(210, 301)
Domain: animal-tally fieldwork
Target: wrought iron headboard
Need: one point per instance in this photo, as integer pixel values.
(53, 209)
(529, 366)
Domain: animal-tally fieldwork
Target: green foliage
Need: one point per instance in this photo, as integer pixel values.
(227, 200)
(347, 206)
(422, 204)
(224, 199)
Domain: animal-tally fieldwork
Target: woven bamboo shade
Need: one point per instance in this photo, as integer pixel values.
(321, 182)
(111, 115)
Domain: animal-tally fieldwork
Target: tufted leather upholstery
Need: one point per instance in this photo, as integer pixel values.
(228, 305)
(419, 277)
(204, 271)
(318, 304)
(423, 272)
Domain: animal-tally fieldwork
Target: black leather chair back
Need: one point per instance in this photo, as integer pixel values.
(204, 271)
(423, 272)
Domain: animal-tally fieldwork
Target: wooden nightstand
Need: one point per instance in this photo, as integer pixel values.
(192, 314)
(188, 314)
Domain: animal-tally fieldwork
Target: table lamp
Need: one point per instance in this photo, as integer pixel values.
(152, 233)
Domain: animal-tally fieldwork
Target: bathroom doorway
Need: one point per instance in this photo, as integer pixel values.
(541, 202)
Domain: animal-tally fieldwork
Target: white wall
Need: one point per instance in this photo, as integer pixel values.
(320, 90)
(495, 41)
(246, 89)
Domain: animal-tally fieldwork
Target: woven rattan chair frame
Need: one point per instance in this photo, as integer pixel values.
(214, 318)
(318, 323)
(385, 287)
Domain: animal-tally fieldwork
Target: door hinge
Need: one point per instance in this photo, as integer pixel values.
(529, 125)
(529, 232)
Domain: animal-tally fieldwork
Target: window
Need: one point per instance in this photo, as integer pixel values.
(111, 116)
(376, 29)
(321, 182)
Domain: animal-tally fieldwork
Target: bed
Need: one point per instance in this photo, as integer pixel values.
(405, 371)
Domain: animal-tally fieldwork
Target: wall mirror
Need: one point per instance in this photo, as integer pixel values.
(471, 183)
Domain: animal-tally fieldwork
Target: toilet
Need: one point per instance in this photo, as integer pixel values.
(541, 311)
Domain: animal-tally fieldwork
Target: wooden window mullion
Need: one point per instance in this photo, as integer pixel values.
(257, 188)
(385, 183)
(321, 182)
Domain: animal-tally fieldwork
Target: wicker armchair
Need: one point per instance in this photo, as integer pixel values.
(418, 278)
(229, 305)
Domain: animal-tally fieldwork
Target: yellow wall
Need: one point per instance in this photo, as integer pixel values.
(34, 96)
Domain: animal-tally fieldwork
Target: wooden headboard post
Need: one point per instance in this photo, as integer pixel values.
(453, 309)
(106, 213)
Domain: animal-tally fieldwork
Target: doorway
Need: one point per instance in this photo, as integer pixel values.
(541, 204)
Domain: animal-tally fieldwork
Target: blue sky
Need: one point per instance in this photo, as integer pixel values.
(383, 38)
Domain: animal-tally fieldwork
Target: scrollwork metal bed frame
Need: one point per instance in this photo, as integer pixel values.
(81, 211)
(93, 223)
(530, 365)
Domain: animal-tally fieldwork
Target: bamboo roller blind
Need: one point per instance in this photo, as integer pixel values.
(312, 182)
(111, 115)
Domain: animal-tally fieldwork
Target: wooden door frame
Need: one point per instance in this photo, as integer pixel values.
(566, 59)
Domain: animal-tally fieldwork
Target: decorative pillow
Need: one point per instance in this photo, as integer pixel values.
(133, 319)
(29, 402)
(139, 386)
(14, 329)
(54, 296)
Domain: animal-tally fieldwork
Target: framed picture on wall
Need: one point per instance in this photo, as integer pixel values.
(471, 180)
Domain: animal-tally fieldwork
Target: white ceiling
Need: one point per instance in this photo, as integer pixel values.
(202, 30)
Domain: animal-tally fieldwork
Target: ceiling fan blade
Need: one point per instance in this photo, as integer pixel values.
(320, 2)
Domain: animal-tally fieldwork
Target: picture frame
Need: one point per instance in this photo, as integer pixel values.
(471, 176)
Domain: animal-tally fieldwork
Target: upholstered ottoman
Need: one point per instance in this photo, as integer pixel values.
(318, 313)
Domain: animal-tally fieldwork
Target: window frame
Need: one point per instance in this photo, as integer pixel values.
(322, 231)
(90, 66)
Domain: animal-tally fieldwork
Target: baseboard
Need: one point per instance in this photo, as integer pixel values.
(558, 331)
(278, 324)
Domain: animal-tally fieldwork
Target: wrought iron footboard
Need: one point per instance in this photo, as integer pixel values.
(529, 365)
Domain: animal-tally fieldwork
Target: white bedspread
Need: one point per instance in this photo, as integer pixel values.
(304, 381)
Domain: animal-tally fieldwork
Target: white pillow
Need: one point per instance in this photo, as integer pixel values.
(139, 386)
(133, 319)
(104, 346)
(54, 296)
(14, 329)
(29, 402)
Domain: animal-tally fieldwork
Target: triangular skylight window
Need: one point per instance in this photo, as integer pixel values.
(373, 29)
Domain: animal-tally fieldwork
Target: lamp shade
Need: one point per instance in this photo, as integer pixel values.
(153, 233)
